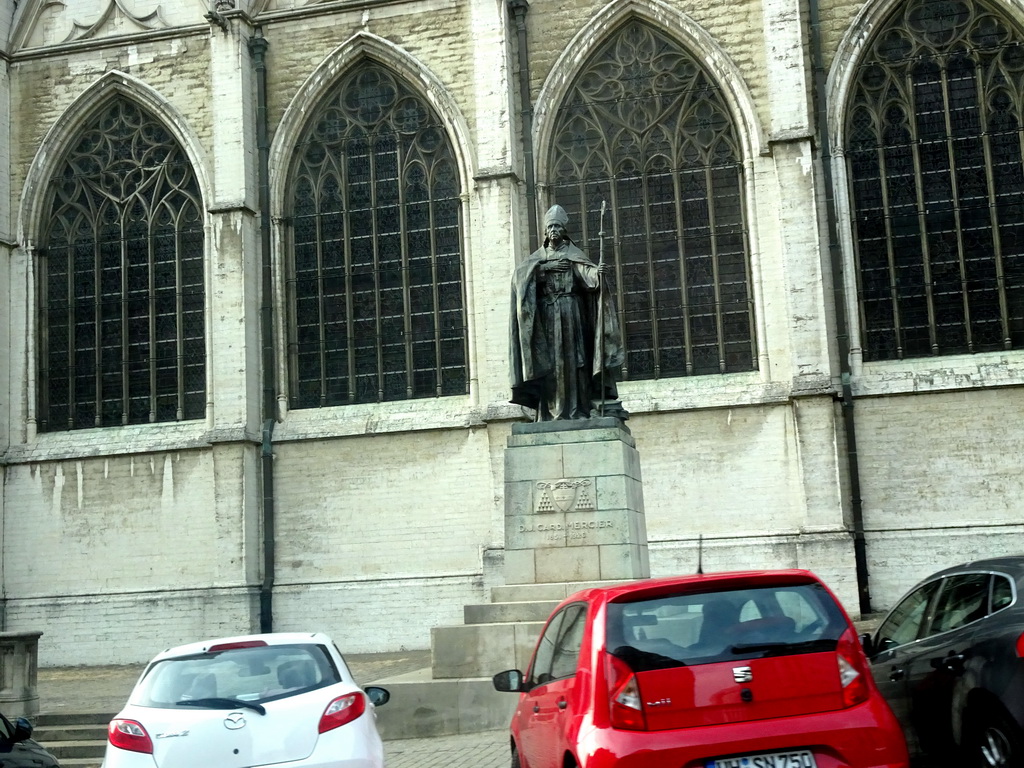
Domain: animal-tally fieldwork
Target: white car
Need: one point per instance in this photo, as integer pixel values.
(243, 702)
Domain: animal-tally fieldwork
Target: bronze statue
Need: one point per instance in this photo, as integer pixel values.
(565, 344)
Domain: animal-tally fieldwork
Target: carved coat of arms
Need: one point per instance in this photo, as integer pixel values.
(565, 495)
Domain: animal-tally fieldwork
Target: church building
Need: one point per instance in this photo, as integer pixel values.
(255, 265)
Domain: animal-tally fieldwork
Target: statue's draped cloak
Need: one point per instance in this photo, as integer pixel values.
(556, 352)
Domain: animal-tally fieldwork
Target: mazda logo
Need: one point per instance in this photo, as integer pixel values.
(234, 721)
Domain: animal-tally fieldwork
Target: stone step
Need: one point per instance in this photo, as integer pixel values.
(50, 719)
(422, 706)
(493, 613)
(556, 590)
(67, 748)
(77, 739)
(95, 731)
(482, 650)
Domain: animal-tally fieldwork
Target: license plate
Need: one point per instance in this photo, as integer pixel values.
(798, 758)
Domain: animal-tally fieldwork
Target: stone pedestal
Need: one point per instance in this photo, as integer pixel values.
(574, 517)
(19, 694)
(574, 506)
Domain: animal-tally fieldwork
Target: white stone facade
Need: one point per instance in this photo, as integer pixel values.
(119, 542)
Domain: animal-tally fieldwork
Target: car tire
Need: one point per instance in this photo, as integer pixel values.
(993, 740)
(515, 758)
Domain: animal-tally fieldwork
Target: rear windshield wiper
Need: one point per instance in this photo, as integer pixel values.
(640, 661)
(803, 646)
(219, 703)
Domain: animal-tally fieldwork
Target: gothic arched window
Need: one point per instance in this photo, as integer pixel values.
(121, 286)
(933, 146)
(646, 129)
(375, 282)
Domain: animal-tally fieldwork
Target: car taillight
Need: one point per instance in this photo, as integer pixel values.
(853, 675)
(343, 709)
(627, 709)
(1020, 646)
(129, 735)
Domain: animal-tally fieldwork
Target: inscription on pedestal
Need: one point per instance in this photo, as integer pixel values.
(568, 533)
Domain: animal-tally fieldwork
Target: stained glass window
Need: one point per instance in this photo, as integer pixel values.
(375, 280)
(121, 286)
(646, 129)
(934, 152)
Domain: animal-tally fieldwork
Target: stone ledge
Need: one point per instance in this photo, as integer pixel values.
(421, 706)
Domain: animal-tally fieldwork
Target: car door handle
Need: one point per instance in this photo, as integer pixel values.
(896, 674)
(563, 704)
(536, 708)
(953, 663)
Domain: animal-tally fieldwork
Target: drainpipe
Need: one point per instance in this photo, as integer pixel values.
(518, 9)
(842, 322)
(258, 48)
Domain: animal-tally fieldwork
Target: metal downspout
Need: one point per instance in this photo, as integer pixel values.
(518, 9)
(842, 322)
(258, 48)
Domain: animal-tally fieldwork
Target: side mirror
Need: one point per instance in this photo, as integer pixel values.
(509, 681)
(22, 729)
(378, 696)
(868, 644)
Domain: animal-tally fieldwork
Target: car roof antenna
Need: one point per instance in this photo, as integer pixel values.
(700, 553)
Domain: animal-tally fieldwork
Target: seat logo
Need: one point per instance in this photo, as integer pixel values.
(742, 674)
(234, 721)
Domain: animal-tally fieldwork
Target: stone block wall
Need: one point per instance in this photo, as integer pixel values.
(411, 505)
(941, 482)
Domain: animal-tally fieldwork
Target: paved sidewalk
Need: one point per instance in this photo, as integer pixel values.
(476, 750)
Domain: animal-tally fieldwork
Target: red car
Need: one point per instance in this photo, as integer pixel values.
(759, 669)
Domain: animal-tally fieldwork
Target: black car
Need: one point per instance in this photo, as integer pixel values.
(950, 660)
(17, 750)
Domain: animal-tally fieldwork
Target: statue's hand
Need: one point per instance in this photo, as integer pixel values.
(560, 265)
(602, 269)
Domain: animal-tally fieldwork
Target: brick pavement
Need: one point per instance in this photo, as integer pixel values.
(476, 750)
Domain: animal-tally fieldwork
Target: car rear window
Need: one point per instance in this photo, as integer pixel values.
(253, 675)
(687, 628)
